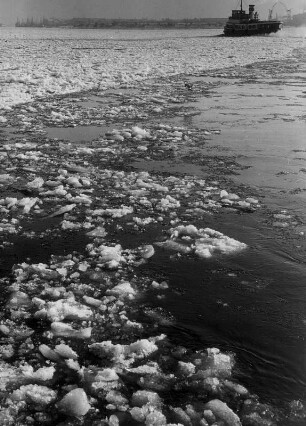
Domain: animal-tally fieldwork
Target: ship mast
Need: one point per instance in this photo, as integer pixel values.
(241, 7)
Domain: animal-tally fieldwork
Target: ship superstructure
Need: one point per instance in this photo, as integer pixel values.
(246, 24)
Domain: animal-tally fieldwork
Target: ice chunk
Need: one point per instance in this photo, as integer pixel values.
(137, 350)
(122, 290)
(110, 256)
(138, 131)
(74, 181)
(141, 348)
(219, 363)
(108, 375)
(180, 416)
(27, 203)
(97, 232)
(10, 202)
(175, 246)
(75, 403)
(36, 183)
(65, 351)
(49, 353)
(64, 309)
(113, 420)
(143, 397)
(4, 329)
(146, 251)
(5, 178)
(213, 242)
(239, 389)
(43, 373)
(65, 330)
(114, 213)
(91, 301)
(18, 299)
(116, 398)
(223, 412)
(186, 368)
(148, 415)
(106, 379)
(63, 210)
(34, 394)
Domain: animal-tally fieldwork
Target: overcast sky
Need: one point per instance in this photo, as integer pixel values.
(10, 10)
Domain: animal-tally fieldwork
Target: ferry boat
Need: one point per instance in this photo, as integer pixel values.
(247, 24)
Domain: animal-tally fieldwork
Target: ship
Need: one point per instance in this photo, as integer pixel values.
(248, 24)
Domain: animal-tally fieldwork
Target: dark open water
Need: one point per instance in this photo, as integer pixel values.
(254, 304)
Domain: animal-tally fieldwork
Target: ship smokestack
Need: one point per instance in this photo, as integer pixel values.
(251, 11)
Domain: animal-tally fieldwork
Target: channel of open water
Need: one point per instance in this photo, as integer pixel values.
(255, 304)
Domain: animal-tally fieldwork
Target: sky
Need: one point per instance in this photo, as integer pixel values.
(10, 10)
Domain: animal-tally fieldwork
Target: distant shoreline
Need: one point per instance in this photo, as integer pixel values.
(97, 23)
(118, 23)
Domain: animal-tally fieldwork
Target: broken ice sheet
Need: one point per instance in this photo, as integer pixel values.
(204, 243)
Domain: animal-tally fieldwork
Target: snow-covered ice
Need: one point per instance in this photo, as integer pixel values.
(45, 66)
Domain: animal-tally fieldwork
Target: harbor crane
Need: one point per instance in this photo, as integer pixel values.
(288, 11)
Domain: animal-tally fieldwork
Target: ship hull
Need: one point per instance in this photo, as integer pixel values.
(251, 29)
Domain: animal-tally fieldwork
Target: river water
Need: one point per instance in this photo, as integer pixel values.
(253, 91)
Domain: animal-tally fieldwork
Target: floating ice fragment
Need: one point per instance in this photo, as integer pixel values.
(115, 213)
(207, 242)
(74, 181)
(18, 299)
(34, 394)
(219, 363)
(106, 379)
(137, 131)
(113, 420)
(186, 368)
(27, 204)
(146, 251)
(64, 309)
(116, 398)
(65, 330)
(143, 397)
(49, 353)
(10, 202)
(5, 178)
(108, 375)
(52, 183)
(110, 256)
(223, 412)
(43, 373)
(181, 416)
(75, 403)
(97, 232)
(122, 290)
(4, 329)
(251, 200)
(137, 350)
(36, 183)
(72, 364)
(63, 210)
(175, 246)
(65, 351)
(239, 389)
(92, 301)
